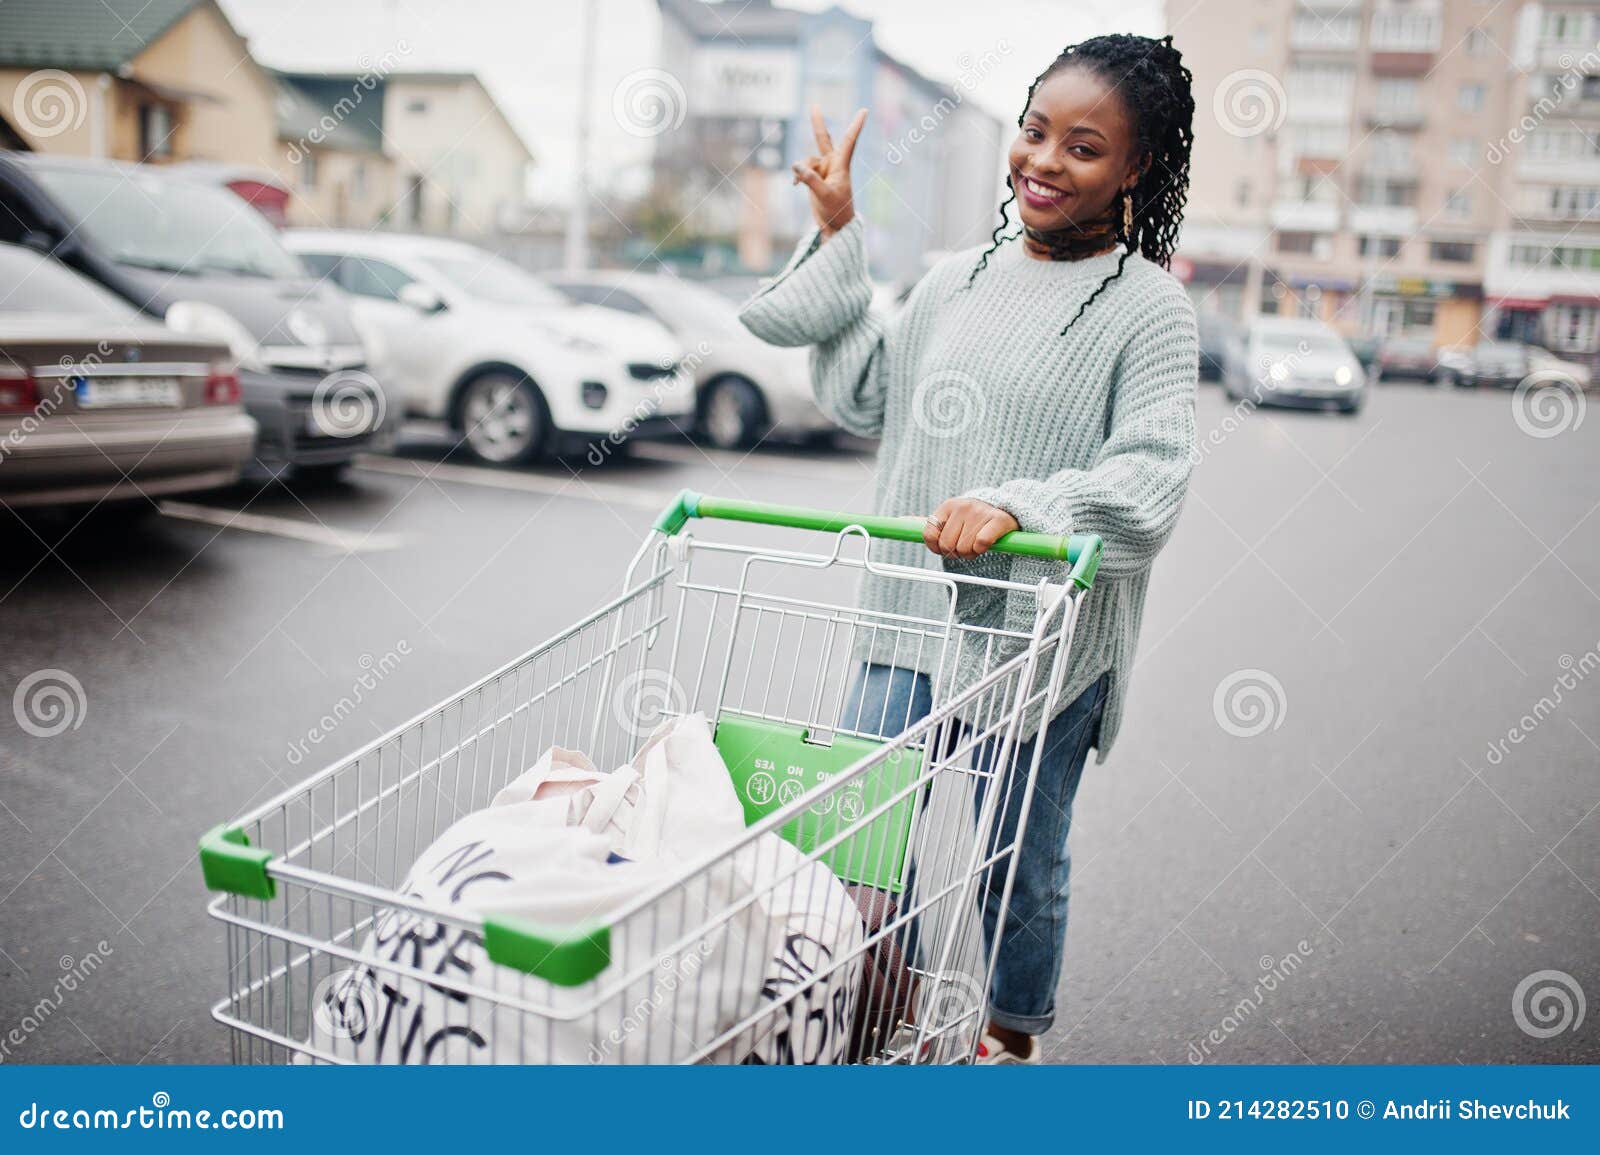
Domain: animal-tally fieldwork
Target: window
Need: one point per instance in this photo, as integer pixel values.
(1374, 246)
(1338, 30)
(1382, 192)
(1396, 97)
(1477, 42)
(322, 265)
(369, 278)
(1391, 151)
(1461, 150)
(605, 296)
(358, 180)
(1241, 194)
(308, 170)
(1453, 251)
(1469, 97)
(417, 107)
(1573, 328)
(1405, 30)
(1305, 243)
(1458, 203)
(1320, 86)
(155, 131)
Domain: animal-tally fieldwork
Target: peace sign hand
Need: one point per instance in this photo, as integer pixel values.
(827, 174)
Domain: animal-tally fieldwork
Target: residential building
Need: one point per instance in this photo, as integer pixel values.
(167, 80)
(743, 76)
(1341, 164)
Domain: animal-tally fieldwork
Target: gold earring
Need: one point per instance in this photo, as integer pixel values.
(1127, 214)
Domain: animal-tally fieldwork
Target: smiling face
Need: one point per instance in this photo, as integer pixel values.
(1076, 150)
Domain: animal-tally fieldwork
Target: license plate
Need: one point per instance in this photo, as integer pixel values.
(331, 423)
(129, 393)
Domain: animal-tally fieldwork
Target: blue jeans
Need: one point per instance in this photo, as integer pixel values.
(888, 699)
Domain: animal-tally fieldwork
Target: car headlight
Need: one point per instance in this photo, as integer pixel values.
(1342, 375)
(199, 319)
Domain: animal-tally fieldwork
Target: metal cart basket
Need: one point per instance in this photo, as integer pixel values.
(767, 644)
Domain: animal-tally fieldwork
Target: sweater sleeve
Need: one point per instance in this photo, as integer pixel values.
(821, 298)
(1132, 494)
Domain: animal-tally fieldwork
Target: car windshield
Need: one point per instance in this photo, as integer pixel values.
(30, 283)
(1282, 343)
(171, 225)
(494, 279)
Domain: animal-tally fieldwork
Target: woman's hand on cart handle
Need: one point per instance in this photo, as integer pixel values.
(964, 527)
(827, 173)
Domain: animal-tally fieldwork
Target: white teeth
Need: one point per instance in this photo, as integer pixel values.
(1038, 189)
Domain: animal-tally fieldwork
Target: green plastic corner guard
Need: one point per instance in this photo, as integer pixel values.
(1080, 550)
(229, 863)
(559, 957)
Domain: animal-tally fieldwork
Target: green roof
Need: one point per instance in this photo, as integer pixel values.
(97, 35)
(329, 110)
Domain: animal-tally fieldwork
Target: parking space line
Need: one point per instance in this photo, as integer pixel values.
(350, 541)
(519, 482)
(783, 465)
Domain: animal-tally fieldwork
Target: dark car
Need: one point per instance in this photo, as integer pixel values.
(208, 264)
(1215, 333)
(1412, 357)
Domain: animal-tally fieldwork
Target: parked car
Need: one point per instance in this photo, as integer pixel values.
(1502, 363)
(99, 403)
(510, 363)
(1215, 332)
(1412, 357)
(207, 263)
(1286, 361)
(744, 388)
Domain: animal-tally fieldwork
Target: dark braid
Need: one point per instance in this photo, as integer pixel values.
(1149, 77)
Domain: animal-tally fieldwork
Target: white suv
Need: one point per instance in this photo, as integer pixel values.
(470, 338)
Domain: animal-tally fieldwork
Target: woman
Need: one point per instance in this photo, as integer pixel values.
(1045, 384)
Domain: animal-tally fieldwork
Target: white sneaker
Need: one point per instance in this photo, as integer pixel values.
(992, 1051)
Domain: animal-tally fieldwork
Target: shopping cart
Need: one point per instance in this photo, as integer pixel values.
(765, 642)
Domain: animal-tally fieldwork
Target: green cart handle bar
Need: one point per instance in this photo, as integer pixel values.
(1079, 550)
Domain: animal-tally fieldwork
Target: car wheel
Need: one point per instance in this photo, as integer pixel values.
(732, 414)
(503, 419)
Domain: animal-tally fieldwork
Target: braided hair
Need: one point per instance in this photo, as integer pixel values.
(1150, 79)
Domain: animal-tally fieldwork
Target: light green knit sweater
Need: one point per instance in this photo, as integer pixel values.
(975, 392)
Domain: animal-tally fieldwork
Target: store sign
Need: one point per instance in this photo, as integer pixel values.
(1422, 287)
(747, 82)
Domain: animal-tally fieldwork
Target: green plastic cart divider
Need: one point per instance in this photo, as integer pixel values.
(1080, 550)
(229, 863)
(563, 957)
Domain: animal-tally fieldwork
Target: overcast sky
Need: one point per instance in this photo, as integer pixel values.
(528, 54)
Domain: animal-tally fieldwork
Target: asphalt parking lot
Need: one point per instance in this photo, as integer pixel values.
(1354, 618)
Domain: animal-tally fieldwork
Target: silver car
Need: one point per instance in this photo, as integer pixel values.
(99, 403)
(1291, 362)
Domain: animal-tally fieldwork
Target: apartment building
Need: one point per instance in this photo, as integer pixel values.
(1542, 275)
(1344, 161)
